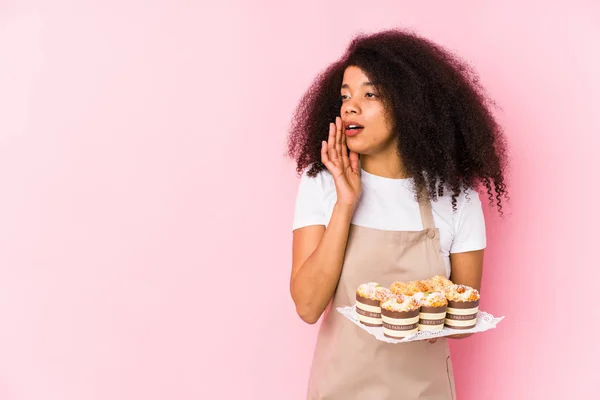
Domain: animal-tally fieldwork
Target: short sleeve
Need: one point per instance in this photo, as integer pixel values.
(309, 208)
(469, 225)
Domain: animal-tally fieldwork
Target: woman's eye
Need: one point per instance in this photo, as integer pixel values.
(369, 94)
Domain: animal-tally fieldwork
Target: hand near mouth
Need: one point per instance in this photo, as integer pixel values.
(343, 167)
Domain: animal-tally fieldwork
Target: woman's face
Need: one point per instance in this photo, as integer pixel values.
(362, 106)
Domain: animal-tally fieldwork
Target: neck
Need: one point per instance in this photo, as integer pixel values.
(387, 165)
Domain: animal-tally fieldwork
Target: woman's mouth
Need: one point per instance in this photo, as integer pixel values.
(354, 129)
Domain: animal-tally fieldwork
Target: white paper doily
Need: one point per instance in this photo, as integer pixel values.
(485, 322)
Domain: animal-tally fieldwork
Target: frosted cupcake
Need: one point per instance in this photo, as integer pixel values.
(439, 283)
(400, 316)
(463, 305)
(433, 311)
(368, 303)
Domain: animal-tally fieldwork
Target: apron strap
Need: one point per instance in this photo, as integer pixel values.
(426, 212)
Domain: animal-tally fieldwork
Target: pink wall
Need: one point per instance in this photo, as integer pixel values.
(140, 150)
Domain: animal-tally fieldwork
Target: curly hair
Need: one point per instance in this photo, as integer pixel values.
(447, 136)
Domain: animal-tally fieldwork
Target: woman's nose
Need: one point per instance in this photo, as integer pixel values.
(350, 107)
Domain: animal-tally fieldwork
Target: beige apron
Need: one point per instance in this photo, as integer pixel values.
(349, 363)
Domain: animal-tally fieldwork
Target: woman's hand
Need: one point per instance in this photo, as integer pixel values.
(344, 169)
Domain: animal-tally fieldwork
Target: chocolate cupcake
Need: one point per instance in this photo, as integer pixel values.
(433, 311)
(368, 303)
(463, 306)
(400, 316)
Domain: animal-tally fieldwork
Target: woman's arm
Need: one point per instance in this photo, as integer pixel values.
(318, 255)
(467, 268)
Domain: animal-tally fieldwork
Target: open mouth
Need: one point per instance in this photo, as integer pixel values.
(354, 129)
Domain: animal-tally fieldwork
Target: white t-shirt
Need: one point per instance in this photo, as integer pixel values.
(390, 204)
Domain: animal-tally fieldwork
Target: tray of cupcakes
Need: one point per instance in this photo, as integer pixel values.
(418, 310)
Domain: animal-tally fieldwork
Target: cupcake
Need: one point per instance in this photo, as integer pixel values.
(400, 316)
(399, 288)
(433, 311)
(368, 303)
(463, 305)
(409, 288)
(439, 283)
(417, 287)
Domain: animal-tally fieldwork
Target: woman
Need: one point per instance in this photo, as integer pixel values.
(388, 193)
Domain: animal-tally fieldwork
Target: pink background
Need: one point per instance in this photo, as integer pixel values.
(144, 187)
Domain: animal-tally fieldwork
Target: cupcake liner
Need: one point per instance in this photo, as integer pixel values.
(400, 314)
(432, 318)
(399, 324)
(367, 301)
(368, 311)
(433, 310)
(463, 304)
(462, 314)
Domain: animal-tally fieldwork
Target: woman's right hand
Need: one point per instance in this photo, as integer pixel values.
(344, 169)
